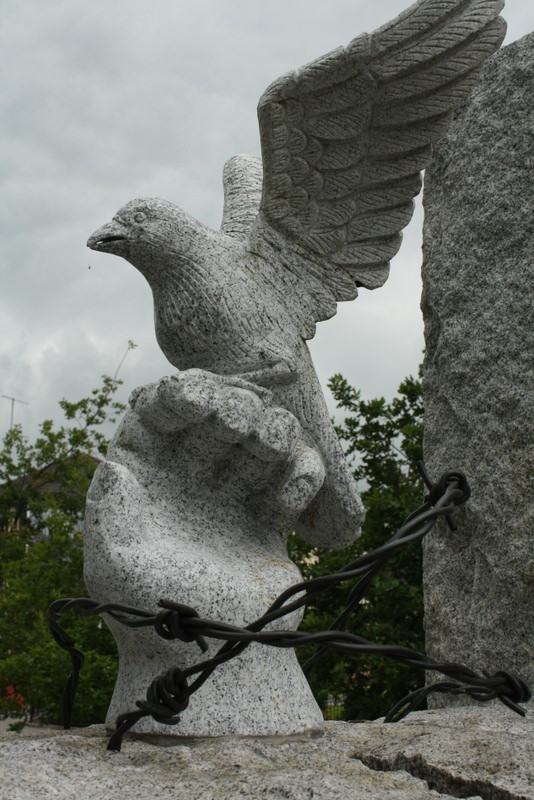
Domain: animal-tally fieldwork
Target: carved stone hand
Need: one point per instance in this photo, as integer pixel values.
(202, 486)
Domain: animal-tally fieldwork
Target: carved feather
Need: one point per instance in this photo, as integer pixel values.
(344, 140)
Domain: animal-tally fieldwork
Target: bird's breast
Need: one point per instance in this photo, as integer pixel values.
(224, 316)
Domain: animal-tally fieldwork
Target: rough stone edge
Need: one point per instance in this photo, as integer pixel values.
(454, 752)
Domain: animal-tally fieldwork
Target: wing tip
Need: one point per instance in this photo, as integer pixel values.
(242, 182)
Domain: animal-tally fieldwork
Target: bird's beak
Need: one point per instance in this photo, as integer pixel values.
(110, 238)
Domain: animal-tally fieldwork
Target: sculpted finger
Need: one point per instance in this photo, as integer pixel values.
(276, 435)
(176, 401)
(303, 479)
(191, 395)
(237, 415)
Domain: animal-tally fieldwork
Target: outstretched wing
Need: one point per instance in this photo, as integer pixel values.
(344, 140)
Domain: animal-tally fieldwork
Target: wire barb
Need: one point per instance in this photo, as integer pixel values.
(172, 623)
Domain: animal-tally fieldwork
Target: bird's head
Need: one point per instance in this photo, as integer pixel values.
(147, 232)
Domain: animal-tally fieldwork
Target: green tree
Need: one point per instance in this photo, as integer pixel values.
(43, 485)
(384, 441)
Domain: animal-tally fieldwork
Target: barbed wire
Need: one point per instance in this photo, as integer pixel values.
(168, 695)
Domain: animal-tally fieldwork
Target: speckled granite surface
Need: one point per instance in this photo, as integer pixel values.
(471, 753)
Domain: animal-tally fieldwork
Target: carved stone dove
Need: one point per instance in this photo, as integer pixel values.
(344, 140)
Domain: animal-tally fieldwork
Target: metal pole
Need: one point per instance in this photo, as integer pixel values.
(13, 401)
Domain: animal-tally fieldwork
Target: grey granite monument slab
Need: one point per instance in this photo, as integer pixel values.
(478, 304)
(212, 469)
(469, 753)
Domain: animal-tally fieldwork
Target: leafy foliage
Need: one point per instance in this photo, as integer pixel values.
(42, 497)
(384, 441)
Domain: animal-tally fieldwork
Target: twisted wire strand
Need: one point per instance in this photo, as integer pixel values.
(168, 694)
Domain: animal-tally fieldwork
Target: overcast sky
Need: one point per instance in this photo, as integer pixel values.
(108, 100)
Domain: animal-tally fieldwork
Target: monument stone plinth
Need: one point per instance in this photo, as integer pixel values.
(478, 304)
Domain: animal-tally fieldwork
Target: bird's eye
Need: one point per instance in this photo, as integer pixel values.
(140, 216)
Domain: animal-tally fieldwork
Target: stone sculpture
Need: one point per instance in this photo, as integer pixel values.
(478, 278)
(203, 483)
(213, 468)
